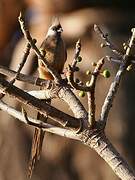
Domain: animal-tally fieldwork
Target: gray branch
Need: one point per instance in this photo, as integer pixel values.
(77, 125)
(116, 82)
(55, 114)
(99, 142)
(46, 127)
(25, 78)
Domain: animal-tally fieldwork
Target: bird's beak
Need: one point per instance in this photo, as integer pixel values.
(60, 30)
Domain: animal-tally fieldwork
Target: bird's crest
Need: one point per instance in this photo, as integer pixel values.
(55, 21)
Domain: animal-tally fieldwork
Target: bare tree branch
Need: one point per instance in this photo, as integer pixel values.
(25, 78)
(23, 61)
(116, 82)
(91, 93)
(47, 127)
(25, 56)
(75, 105)
(80, 127)
(77, 53)
(107, 42)
(131, 45)
(111, 94)
(58, 116)
(99, 142)
(63, 92)
(44, 94)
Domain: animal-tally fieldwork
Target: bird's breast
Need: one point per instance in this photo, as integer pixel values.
(55, 52)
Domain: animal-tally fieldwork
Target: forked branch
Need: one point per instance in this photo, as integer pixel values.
(82, 125)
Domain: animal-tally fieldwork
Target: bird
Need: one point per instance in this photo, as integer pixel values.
(53, 47)
(54, 50)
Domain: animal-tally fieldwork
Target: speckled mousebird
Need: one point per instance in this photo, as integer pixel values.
(53, 48)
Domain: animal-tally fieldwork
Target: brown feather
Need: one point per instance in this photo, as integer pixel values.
(37, 143)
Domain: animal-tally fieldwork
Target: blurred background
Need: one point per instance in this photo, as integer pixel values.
(63, 158)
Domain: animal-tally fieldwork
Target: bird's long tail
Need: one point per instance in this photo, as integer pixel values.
(35, 150)
(37, 143)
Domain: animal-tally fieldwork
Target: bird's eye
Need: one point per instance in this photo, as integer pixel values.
(54, 28)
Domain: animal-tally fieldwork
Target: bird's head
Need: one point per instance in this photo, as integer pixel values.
(55, 28)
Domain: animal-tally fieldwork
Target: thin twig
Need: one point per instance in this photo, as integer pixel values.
(25, 56)
(131, 45)
(116, 82)
(107, 42)
(72, 68)
(91, 93)
(21, 65)
(91, 108)
(111, 59)
(111, 94)
(28, 37)
(117, 61)
(77, 53)
(70, 77)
